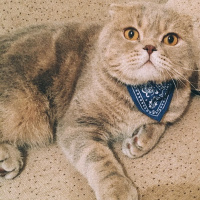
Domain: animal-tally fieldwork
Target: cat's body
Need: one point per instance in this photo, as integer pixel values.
(71, 79)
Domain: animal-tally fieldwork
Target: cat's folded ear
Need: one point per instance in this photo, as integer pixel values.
(116, 9)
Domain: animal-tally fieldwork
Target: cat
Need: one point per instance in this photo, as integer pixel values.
(71, 80)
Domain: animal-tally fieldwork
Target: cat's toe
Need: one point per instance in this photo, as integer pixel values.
(133, 147)
(10, 161)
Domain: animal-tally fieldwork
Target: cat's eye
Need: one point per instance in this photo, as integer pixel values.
(131, 34)
(171, 39)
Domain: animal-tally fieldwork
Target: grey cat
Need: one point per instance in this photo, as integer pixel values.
(73, 80)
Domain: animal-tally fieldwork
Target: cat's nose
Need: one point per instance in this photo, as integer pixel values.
(150, 49)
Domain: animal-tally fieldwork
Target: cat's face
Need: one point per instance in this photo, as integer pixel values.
(147, 42)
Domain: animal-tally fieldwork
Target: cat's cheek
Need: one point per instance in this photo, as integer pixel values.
(111, 58)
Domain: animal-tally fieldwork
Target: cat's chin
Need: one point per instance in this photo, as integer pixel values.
(147, 72)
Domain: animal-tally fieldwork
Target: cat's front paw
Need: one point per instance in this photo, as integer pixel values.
(143, 141)
(133, 147)
(123, 189)
(10, 161)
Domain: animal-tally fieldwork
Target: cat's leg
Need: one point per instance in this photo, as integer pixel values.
(10, 161)
(94, 159)
(143, 140)
(24, 121)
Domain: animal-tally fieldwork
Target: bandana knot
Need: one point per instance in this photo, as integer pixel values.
(152, 99)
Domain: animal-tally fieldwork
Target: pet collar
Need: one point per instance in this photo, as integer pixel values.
(152, 99)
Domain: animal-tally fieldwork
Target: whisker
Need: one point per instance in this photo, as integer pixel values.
(194, 70)
(163, 75)
(178, 79)
(182, 82)
(184, 78)
(168, 72)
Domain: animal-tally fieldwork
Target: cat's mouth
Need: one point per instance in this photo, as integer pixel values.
(148, 64)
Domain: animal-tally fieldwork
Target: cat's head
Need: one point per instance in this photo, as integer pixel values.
(146, 41)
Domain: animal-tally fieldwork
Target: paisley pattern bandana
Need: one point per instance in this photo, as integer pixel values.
(152, 99)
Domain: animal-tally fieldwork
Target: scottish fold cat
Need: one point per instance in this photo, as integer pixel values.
(92, 85)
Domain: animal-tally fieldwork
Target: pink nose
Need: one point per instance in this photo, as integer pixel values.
(150, 49)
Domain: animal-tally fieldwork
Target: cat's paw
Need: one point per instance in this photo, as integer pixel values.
(123, 189)
(143, 141)
(10, 161)
(133, 147)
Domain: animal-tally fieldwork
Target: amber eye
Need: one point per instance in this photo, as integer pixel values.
(131, 34)
(171, 39)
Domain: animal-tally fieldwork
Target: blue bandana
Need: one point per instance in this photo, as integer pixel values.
(152, 99)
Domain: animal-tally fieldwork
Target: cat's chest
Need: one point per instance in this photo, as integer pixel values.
(123, 116)
(129, 122)
(111, 107)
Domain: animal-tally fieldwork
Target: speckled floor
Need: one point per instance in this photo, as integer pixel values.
(170, 172)
(19, 13)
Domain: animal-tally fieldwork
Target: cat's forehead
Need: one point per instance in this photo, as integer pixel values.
(150, 18)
